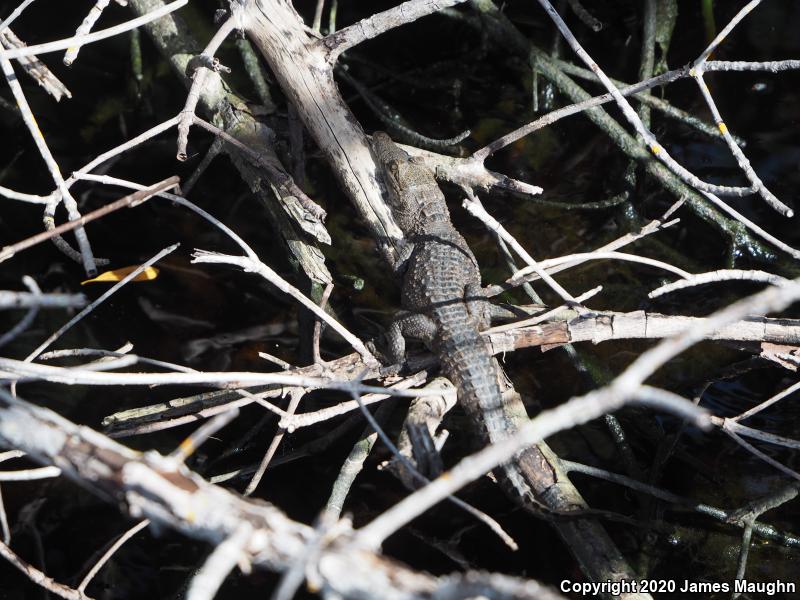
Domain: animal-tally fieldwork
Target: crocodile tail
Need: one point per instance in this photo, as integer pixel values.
(467, 362)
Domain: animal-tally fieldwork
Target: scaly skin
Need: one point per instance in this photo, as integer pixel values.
(441, 294)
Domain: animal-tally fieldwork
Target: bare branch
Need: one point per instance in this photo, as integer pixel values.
(379, 23)
(83, 40)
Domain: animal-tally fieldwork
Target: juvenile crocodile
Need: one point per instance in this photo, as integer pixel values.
(442, 298)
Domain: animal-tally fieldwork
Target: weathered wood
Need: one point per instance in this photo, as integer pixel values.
(165, 491)
(272, 186)
(603, 326)
(301, 65)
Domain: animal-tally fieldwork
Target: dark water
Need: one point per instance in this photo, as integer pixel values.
(443, 78)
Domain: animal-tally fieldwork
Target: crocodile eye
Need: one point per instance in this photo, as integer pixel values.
(394, 168)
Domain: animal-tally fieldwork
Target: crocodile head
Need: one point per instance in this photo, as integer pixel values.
(406, 180)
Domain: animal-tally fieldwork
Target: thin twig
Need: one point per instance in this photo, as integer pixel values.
(199, 77)
(130, 200)
(103, 34)
(39, 578)
(112, 549)
(86, 256)
(188, 446)
(108, 293)
(84, 28)
(295, 396)
(381, 22)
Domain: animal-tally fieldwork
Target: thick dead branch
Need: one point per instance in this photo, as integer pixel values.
(268, 180)
(166, 492)
(602, 326)
(305, 75)
(569, 328)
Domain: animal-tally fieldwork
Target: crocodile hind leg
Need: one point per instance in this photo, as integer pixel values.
(410, 325)
(487, 312)
(478, 306)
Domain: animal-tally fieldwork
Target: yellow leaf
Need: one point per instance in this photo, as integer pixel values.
(119, 274)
